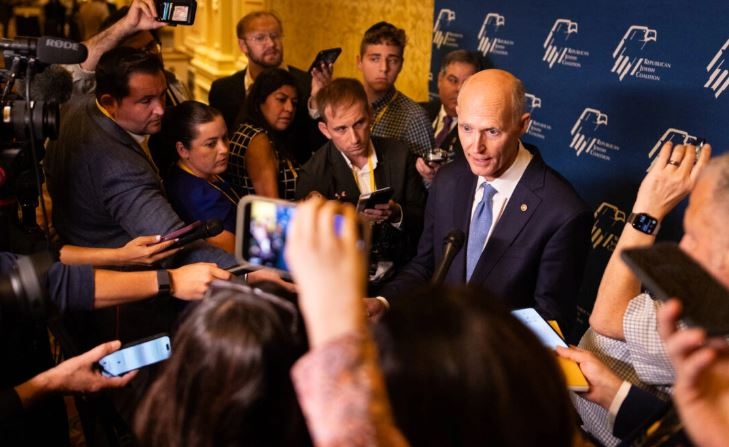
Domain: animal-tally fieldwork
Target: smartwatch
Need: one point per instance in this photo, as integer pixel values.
(645, 223)
(163, 282)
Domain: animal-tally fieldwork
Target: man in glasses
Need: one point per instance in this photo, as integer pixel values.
(260, 38)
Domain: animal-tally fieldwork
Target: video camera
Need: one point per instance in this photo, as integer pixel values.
(29, 116)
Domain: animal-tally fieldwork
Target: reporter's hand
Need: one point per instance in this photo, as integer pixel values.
(384, 212)
(321, 76)
(670, 179)
(375, 309)
(191, 281)
(80, 375)
(142, 15)
(269, 275)
(426, 171)
(604, 383)
(144, 250)
(701, 389)
(330, 269)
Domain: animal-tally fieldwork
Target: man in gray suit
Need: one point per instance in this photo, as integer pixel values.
(103, 183)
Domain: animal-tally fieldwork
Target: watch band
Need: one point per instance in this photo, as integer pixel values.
(163, 283)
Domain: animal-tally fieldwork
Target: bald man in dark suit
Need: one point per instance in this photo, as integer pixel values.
(532, 252)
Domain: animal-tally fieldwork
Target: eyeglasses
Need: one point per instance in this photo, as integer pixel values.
(260, 39)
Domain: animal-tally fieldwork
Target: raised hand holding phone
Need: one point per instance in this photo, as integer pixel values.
(328, 263)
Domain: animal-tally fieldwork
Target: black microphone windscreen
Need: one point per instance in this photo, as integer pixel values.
(213, 227)
(54, 84)
(53, 50)
(455, 237)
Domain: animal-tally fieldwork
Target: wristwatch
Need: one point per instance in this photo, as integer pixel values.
(645, 223)
(163, 282)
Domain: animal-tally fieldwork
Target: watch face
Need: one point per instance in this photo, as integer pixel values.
(645, 223)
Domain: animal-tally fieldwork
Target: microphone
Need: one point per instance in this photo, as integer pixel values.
(452, 244)
(47, 49)
(210, 228)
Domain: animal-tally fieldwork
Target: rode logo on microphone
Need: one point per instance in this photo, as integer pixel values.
(63, 44)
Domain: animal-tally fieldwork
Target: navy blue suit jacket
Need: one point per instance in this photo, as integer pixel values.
(536, 254)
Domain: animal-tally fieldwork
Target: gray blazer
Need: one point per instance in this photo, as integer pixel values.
(105, 190)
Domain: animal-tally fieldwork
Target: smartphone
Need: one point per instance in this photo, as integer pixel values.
(668, 272)
(176, 12)
(261, 230)
(377, 197)
(328, 56)
(549, 337)
(181, 232)
(136, 355)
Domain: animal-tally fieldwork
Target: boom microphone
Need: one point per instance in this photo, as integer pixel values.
(210, 228)
(452, 244)
(47, 49)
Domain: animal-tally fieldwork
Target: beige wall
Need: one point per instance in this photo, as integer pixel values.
(309, 26)
(312, 25)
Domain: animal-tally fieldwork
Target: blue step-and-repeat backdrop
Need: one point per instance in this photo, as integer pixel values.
(607, 83)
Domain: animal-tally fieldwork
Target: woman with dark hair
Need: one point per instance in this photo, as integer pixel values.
(261, 158)
(227, 382)
(459, 370)
(194, 187)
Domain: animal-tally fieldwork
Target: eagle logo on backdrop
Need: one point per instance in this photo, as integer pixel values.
(441, 36)
(556, 43)
(609, 223)
(719, 78)
(675, 136)
(536, 128)
(626, 53)
(532, 102)
(584, 131)
(487, 43)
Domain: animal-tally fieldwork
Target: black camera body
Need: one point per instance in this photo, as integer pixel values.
(176, 12)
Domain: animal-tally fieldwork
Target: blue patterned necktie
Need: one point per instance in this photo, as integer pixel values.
(479, 229)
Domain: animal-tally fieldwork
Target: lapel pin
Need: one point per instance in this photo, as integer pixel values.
(523, 207)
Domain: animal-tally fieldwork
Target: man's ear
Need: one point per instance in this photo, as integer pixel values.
(523, 122)
(108, 103)
(359, 62)
(325, 130)
(182, 151)
(243, 47)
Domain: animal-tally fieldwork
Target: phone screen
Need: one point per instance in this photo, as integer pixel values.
(264, 233)
(576, 381)
(668, 272)
(261, 231)
(540, 327)
(136, 356)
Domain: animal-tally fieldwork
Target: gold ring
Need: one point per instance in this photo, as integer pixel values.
(674, 162)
